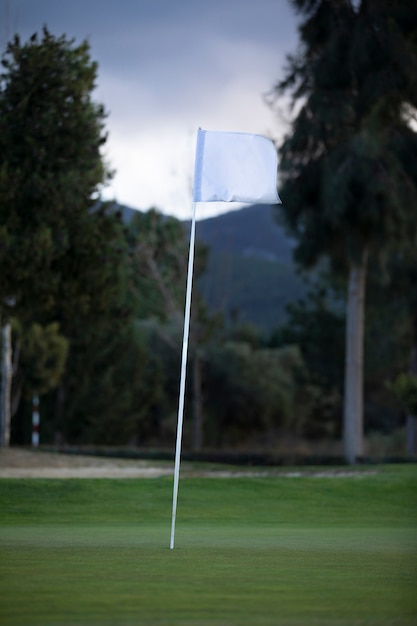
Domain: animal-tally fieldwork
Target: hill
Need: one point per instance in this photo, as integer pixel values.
(251, 232)
(251, 275)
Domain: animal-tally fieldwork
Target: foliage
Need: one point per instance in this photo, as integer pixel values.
(93, 313)
(126, 340)
(112, 401)
(249, 390)
(51, 136)
(159, 249)
(349, 165)
(314, 323)
(159, 264)
(63, 253)
(405, 388)
(389, 339)
(43, 356)
(248, 334)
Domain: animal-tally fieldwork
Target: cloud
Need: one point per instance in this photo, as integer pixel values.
(165, 68)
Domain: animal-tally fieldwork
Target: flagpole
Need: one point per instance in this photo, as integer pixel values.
(183, 374)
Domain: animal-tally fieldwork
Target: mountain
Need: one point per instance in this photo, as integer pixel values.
(250, 276)
(251, 231)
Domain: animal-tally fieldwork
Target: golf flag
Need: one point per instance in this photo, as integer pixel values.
(229, 167)
(235, 167)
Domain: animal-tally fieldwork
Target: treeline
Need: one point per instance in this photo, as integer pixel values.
(119, 383)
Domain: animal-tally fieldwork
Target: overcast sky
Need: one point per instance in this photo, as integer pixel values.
(167, 67)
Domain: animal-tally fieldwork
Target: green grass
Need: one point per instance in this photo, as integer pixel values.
(273, 551)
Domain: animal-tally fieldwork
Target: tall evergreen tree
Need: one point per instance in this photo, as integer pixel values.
(51, 172)
(349, 164)
(51, 167)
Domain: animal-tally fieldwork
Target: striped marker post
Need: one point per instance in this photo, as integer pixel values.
(35, 421)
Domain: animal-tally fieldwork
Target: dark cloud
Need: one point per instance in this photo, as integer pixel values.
(166, 67)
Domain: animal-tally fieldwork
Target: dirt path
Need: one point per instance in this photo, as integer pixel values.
(28, 463)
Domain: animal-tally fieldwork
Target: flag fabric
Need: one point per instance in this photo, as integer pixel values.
(235, 167)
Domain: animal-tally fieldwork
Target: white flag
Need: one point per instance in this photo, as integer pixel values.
(235, 167)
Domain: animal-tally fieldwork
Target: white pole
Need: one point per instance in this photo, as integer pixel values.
(183, 374)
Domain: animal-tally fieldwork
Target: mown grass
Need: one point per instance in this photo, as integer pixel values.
(265, 551)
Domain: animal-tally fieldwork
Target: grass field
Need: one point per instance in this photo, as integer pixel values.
(278, 550)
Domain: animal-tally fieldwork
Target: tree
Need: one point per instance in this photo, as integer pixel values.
(51, 170)
(51, 167)
(44, 352)
(159, 248)
(405, 388)
(313, 323)
(349, 164)
(250, 391)
(402, 287)
(93, 313)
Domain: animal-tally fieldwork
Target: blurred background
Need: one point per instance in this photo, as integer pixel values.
(303, 329)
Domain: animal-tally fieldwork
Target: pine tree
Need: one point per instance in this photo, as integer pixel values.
(51, 167)
(349, 164)
(51, 173)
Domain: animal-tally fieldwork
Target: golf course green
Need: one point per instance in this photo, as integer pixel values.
(303, 548)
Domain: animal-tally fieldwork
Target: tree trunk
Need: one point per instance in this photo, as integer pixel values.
(6, 384)
(353, 394)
